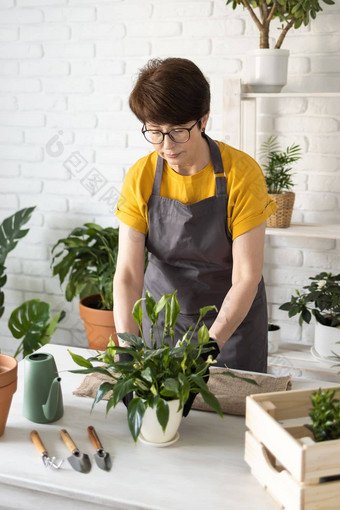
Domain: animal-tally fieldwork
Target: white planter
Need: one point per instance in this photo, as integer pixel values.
(325, 340)
(273, 338)
(266, 70)
(151, 429)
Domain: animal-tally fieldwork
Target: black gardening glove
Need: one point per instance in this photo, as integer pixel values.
(214, 352)
(129, 396)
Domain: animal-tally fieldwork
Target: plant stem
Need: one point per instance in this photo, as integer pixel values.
(284, 33)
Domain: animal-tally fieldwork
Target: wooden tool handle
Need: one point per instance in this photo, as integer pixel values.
(38, 442)
(94, 437)
(67, 440)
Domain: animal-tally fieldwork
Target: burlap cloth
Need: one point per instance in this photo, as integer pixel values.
(230, 392)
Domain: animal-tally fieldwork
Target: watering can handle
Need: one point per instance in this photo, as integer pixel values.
(38, 442)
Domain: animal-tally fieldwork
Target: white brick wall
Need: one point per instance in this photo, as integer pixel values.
(66, 69)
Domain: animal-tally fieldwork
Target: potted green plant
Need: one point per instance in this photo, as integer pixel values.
(31, 321)
(10, 233)
(267, 68)
(88, 257)
(161, 371)
(277, 169)
(325, 415)
(320, 298)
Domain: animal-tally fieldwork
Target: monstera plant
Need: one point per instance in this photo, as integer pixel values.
(11, 232)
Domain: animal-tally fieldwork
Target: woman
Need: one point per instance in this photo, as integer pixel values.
(200, 209)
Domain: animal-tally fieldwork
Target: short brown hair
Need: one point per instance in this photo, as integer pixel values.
(170, 91)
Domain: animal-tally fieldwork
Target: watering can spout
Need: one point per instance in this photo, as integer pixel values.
(54, 400)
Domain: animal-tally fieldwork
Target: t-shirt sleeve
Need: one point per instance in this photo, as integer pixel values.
(131, 206)
(249, 202)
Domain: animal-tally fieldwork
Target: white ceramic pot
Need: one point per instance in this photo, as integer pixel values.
(151, 429)
(266, 69)
(325, 340)
(274, 336)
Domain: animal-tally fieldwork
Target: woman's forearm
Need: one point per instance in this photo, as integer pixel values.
(125, 294)
(234, 309)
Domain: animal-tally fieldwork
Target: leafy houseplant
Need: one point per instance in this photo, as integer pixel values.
(324, 294)
(157, 374)
(277, 169)
(88, 257)
(30, 321)
(267, 68)
(290, 13)
(325, 415)
(10, 233)
(322, 299)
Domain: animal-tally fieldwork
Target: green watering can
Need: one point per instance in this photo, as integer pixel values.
(43, 400)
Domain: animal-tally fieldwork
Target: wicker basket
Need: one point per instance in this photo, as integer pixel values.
(283, 215)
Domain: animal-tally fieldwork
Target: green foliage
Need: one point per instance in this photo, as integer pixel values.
(291, 13)
(10, 233)
(324, 293)
(88, 256)
(325, 415)
(31, 321)
(165, 371)
(277, 168)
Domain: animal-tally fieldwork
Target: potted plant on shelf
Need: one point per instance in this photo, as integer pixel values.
(277, 169)
(267, 68)
(88, 256)
(162, 374)
(324, 295)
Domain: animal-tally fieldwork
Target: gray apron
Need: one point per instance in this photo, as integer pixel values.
(190, 250)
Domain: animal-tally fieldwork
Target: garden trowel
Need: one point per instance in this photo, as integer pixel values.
(79, 461)
(101, 457)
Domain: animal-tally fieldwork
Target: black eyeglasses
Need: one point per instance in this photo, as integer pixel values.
(179, 135)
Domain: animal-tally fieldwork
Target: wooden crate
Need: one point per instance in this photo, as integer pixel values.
(283, 456)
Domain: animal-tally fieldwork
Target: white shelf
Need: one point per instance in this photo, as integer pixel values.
(307, 230)
(254, 95)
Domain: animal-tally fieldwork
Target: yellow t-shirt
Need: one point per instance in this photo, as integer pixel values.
(248, 202)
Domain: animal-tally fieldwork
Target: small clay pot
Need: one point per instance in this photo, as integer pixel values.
(8, 386)
(99, 324)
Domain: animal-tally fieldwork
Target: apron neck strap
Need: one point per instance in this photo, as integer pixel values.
(218, 167)
(217, 164)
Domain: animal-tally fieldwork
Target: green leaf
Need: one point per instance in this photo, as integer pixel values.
(103, 389)
(205, 310)
(147, 374)
(162, 412)
(203, 335)
(137, 312)
(135, 414)
(121, 389)
(129, 338)
(79, 360)
(208, 397)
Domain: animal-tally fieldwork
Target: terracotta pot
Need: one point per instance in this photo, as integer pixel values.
(99, 324)
(8, 386)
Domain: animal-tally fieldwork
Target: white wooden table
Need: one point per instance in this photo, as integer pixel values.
(203, 470)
